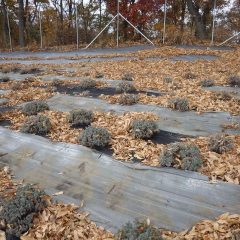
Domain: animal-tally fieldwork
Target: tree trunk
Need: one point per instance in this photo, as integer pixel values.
(194, 11)
(100, 15)
(5, 24)
(61, 12)
(70, 13)
(21, 22)
(183, 12)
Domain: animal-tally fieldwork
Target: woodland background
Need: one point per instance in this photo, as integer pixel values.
(188, 21)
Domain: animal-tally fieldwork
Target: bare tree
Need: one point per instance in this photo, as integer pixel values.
(21, 22)
(193, 9)
(4, 25)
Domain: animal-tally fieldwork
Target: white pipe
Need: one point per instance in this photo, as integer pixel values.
(213, 23)
(40, 22)
(136, 29)
(118, 23)
(77, 25)
(229, 39)
(164, 21)
(100, 33)
(9, 32)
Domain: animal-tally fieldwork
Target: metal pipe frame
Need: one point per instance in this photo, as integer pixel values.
(235, 35)
(117, 16)
(9, 32)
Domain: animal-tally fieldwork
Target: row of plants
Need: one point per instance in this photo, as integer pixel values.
(31, 214)
(181, 155)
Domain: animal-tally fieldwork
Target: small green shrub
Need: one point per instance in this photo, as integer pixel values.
(6, 70)
(224, 96)
(80, 118)
(138, 230)
(190, 75)
(180, 104)
(188, 155)
(33, 108)
(87, 83)
(39, 125)
(18, 213)
(128, 99)
(17, 86)
(220, 144)
(144, 128)
(55, 82)
(85, 93)
(124, 87)
(99, 75)
(95, 137)
(168, 79)
(4, 79)
(30, 71)
(16, 69)
(234, 81)
(127, 77)
(207, 83)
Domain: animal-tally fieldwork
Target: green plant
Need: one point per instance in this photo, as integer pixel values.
(4, 79)
(138, 230)
(87, 83)
(30, 71)
(224, 96)
(220, 143)
(85, 93)
(190, 75)
(95, 137)
(128, 99)
(187, 155)
(124, 87)
(99, 75)
(234, 81)
(180, 104)
(6, 70)
(144, 128)
(55, 82)
(18, 212)
(127, 77)
(17, 86)
(80, 118)
(207, 83)
(33, 108)
(168, 79)
(16, 69)
(39, 125)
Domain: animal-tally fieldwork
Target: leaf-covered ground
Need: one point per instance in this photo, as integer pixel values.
(67, 221)
(225, 166)
(173, 79)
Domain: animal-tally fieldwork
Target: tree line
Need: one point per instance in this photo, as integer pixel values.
(58, 20)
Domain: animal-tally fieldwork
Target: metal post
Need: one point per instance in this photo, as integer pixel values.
(235, 35)
(77, 25)
(117, 23)
(100, 32)
(136, 29)
(164, 21)
(213, 23)
(117, 16)
(9, 32)
(40, 23)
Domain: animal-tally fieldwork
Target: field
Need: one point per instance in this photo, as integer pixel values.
(140, 132)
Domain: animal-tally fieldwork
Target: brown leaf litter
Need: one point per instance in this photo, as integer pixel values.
(224, 166)
(226, 227)
(61, 221)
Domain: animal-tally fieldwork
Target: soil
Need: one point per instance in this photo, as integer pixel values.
(96, 92)
(165, 137)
